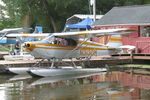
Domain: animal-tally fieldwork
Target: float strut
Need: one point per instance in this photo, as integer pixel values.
(52, 64)
(74, 65)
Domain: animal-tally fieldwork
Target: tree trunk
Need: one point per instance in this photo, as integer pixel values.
(26, 20)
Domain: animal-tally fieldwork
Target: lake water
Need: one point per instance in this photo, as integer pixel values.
(113, 85)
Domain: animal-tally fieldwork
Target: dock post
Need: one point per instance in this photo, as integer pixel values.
(131, 56)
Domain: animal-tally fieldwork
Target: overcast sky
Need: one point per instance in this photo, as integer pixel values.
(1, 3)
(2, 10)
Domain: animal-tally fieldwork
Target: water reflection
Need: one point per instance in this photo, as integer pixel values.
(20, 77)
(102, 86)
(60, 78)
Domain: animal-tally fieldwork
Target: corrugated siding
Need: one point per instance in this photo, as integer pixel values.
(144, 46)
(141, 43)
(129, 41)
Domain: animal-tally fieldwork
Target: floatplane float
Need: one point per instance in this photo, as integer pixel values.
(69, 45)
(20, 77)
(64, 71)
(17, 70)
(44, 72)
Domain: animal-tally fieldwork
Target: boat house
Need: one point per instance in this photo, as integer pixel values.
(133, 17)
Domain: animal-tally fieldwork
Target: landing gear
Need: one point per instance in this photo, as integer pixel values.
(52, 63)
(74, 65)
(38, 63)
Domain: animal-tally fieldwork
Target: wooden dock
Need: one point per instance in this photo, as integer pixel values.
(2, 54)
(134, 58)
(97, 61)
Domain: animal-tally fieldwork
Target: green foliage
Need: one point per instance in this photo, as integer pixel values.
(52, 14)
(4, 48)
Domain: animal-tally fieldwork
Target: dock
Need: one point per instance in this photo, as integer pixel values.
(134, 58)
(97, 61)
(94, 62)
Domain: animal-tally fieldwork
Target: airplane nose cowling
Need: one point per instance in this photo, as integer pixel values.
(28, 47)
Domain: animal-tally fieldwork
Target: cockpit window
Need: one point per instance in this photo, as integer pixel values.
(71, 42)
(62, 41)
(49, 38)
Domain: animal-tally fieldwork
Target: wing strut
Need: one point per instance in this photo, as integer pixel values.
(3, 36)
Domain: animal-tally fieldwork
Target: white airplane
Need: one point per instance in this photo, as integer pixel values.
(17, 32)
(70, 45)
(9, 36)
(4, 39)
(14, 30)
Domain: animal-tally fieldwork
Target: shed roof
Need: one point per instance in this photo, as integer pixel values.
(79, 17)
(84, 24)
(127, 15)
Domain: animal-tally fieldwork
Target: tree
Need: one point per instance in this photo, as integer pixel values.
(52, 14)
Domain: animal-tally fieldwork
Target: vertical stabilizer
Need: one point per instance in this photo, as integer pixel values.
(115, 41)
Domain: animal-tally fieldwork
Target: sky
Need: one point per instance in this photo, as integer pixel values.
(1, 3)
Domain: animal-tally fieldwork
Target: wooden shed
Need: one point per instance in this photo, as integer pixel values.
(134, 17)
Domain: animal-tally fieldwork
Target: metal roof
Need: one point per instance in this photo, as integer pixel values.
(127, 15)
(82, 16)
(78, 17)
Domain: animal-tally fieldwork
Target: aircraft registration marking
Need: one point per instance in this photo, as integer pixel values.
(88, 52)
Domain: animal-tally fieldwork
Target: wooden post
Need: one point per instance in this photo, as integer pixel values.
(131, 56)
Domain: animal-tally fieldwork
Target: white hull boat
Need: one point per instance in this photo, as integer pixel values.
(43, 72)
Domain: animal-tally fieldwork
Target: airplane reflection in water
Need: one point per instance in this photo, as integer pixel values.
(20, 77)
(60, 78)
(114, 85)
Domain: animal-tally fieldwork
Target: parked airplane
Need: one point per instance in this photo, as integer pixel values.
(4, 39)
(8, 35)
(14, 30)
(71, 45)
(11, 35)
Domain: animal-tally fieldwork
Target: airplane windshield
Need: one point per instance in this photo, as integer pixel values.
(49, 38)
(61, 41)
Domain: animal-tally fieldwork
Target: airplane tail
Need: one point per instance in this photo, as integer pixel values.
(115, 41)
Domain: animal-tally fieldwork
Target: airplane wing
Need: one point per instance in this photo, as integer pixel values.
(14, 30)
(28, 35)
(118, 31)
(91, 32)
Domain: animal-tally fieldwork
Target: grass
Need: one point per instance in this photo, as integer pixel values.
(4, 48)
